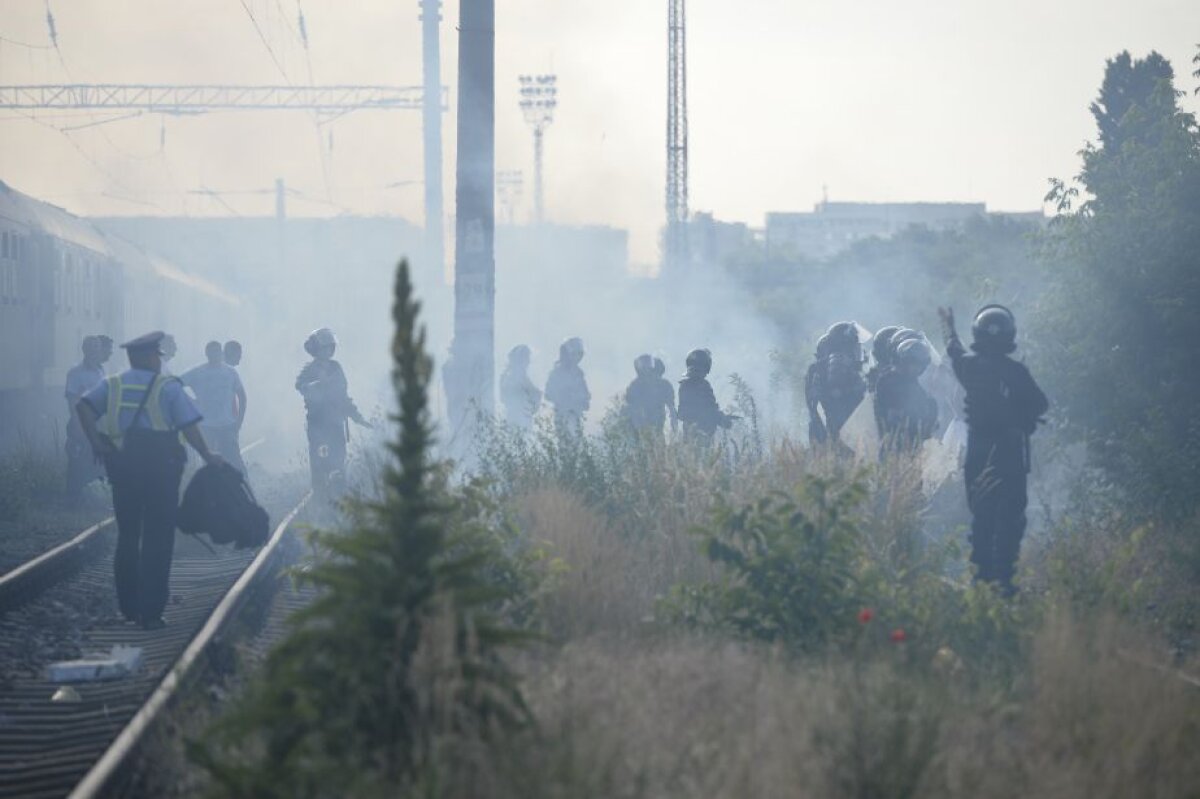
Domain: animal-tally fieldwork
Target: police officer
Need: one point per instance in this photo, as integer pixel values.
(520, 397)
(567, 388)
(133, 421)
(834, 384)
(906, 412)
(81, 465)
(1003, 407)
(698, 409)
(327, 403)
(646, 405)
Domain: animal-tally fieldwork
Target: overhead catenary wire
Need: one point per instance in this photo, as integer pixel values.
(303, 37)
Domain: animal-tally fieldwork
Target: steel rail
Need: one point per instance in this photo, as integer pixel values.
(110, 763)
(24, 577)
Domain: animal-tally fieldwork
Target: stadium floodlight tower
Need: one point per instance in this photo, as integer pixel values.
(539, 98)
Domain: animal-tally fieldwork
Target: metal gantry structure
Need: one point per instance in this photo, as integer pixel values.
(676, 253)
(179, 99)
(539, 99)
(431, 52)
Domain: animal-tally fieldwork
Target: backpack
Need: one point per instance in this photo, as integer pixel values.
(218, 501)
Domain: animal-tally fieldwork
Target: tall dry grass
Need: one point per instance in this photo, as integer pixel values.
(599, 580)
(686, 718)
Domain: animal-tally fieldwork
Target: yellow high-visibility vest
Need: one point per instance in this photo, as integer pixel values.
(110, 424)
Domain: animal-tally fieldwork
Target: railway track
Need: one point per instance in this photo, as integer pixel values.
(61, 603)
(23, 579)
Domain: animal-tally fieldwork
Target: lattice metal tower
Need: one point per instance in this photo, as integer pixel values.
(676, 255)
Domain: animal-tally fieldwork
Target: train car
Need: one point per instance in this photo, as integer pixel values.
(63, 278)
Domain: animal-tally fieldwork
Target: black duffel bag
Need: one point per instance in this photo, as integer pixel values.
(218, 502)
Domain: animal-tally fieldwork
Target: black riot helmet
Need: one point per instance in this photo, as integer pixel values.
(900, 336)
(841, 339)
(644, 365)
(994, 330)
(913, 356)
(881, 345)
(699, 363)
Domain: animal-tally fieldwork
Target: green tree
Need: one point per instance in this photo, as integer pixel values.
(1122, 322)
(402, 645)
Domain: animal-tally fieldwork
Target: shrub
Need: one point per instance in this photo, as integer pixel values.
(789, 567)
(403, 644)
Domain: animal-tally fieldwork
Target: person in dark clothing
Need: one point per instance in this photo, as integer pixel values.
(1003, 407)
(666, 391)
(646, 405)
(519, 396)
(327, 403)
(881, 354)
(567, 388)
(834, 384)
(906, 413)
(698, 409)
(134, 422)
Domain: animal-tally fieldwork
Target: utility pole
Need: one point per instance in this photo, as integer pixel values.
(539, 98)
(281, 223)
(470, 374)
(431, 18)
(676, 254)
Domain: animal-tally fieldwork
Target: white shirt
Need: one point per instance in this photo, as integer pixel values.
(216, 388)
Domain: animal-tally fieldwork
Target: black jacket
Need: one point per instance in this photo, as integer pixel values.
(698, 407)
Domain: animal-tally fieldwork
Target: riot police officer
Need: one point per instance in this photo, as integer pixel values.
(567, 388)
(520, 397)
(328, 406)
(834, 383)
(698, 409)
(647, 406)
(906, 412)
(1003, 408)
(133, 421)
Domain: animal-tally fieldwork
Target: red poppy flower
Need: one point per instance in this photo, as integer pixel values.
(865, 615)
(899, 636)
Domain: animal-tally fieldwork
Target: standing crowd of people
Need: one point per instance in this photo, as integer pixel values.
(649, 402)
(133, 424)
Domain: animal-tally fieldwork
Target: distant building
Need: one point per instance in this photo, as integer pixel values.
(713, 242)
(833, 226)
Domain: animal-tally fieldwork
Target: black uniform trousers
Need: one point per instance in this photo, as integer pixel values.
(996, 470)
(327, 456)
(145, 477)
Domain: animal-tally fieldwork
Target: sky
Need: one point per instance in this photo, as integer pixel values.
(790, 100)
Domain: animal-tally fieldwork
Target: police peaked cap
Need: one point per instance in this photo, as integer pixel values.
(150, 341)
